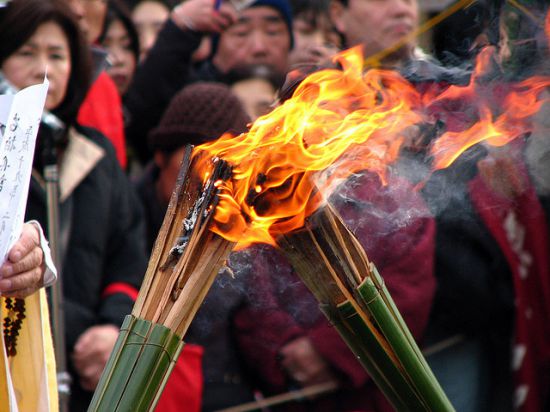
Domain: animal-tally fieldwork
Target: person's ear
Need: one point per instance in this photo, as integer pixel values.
(337, 11)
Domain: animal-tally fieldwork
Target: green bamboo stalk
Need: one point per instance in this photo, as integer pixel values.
(167, 374)
(138, 367)
(433, 397)
(109, 370)
(160, 348)
(377, 278)
(334, 266)
(375, 359)
(128, 349)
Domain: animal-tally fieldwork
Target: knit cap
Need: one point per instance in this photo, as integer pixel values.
(283, 7)
(199, 113)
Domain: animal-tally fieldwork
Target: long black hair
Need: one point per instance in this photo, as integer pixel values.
(119, 11)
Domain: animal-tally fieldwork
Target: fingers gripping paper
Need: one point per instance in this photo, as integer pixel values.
(27, 375)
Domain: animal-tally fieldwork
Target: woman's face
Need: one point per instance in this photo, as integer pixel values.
(123, 62)
(149, 17)
(45, 52)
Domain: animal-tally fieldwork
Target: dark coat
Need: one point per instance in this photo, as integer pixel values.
(475, 295)
(165, 71)
(103, 259)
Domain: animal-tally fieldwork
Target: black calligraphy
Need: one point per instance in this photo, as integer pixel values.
(25, 144)
(15, 125)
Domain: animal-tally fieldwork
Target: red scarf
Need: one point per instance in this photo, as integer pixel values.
(521, 229)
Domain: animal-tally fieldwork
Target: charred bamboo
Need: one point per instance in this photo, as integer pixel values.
(185, 260)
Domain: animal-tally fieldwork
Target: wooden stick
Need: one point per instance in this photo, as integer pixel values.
(297, 395)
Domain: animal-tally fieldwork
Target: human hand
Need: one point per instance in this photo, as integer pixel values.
(304, 364)
(201, 16)
(22, 273)
(91, 353)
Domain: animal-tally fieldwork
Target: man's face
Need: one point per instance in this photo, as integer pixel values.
(260, 36)
(376, 24)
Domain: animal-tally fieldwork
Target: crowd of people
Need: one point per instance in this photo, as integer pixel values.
(464, 251)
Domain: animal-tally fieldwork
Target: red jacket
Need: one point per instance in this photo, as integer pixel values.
(102, 110)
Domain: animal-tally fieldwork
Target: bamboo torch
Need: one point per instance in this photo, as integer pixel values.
(184, 262)
(352, 295)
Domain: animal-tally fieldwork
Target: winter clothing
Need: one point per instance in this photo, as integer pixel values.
(169, 63)
(101, 239)
(199, 113)
(483, 243)
(282, 6)
(102, 110)
(492, 264)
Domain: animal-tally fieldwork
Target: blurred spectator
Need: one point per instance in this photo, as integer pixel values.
(149, 17)
(120, 41)
(202, 112)
(90, 15)
(102, 108)
(102, 251)
(376, 26)
(198, 113)
(486, 214)
(493, 249)
(315, 38)
(259, 34)
(256, 86)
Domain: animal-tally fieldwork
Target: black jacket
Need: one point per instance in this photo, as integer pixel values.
(104, 246)
(165, 71)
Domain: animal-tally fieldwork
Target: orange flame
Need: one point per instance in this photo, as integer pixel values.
(336, 123)
(339, 122)
(513, 104)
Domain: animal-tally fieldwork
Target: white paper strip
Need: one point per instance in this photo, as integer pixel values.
(19, 121)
